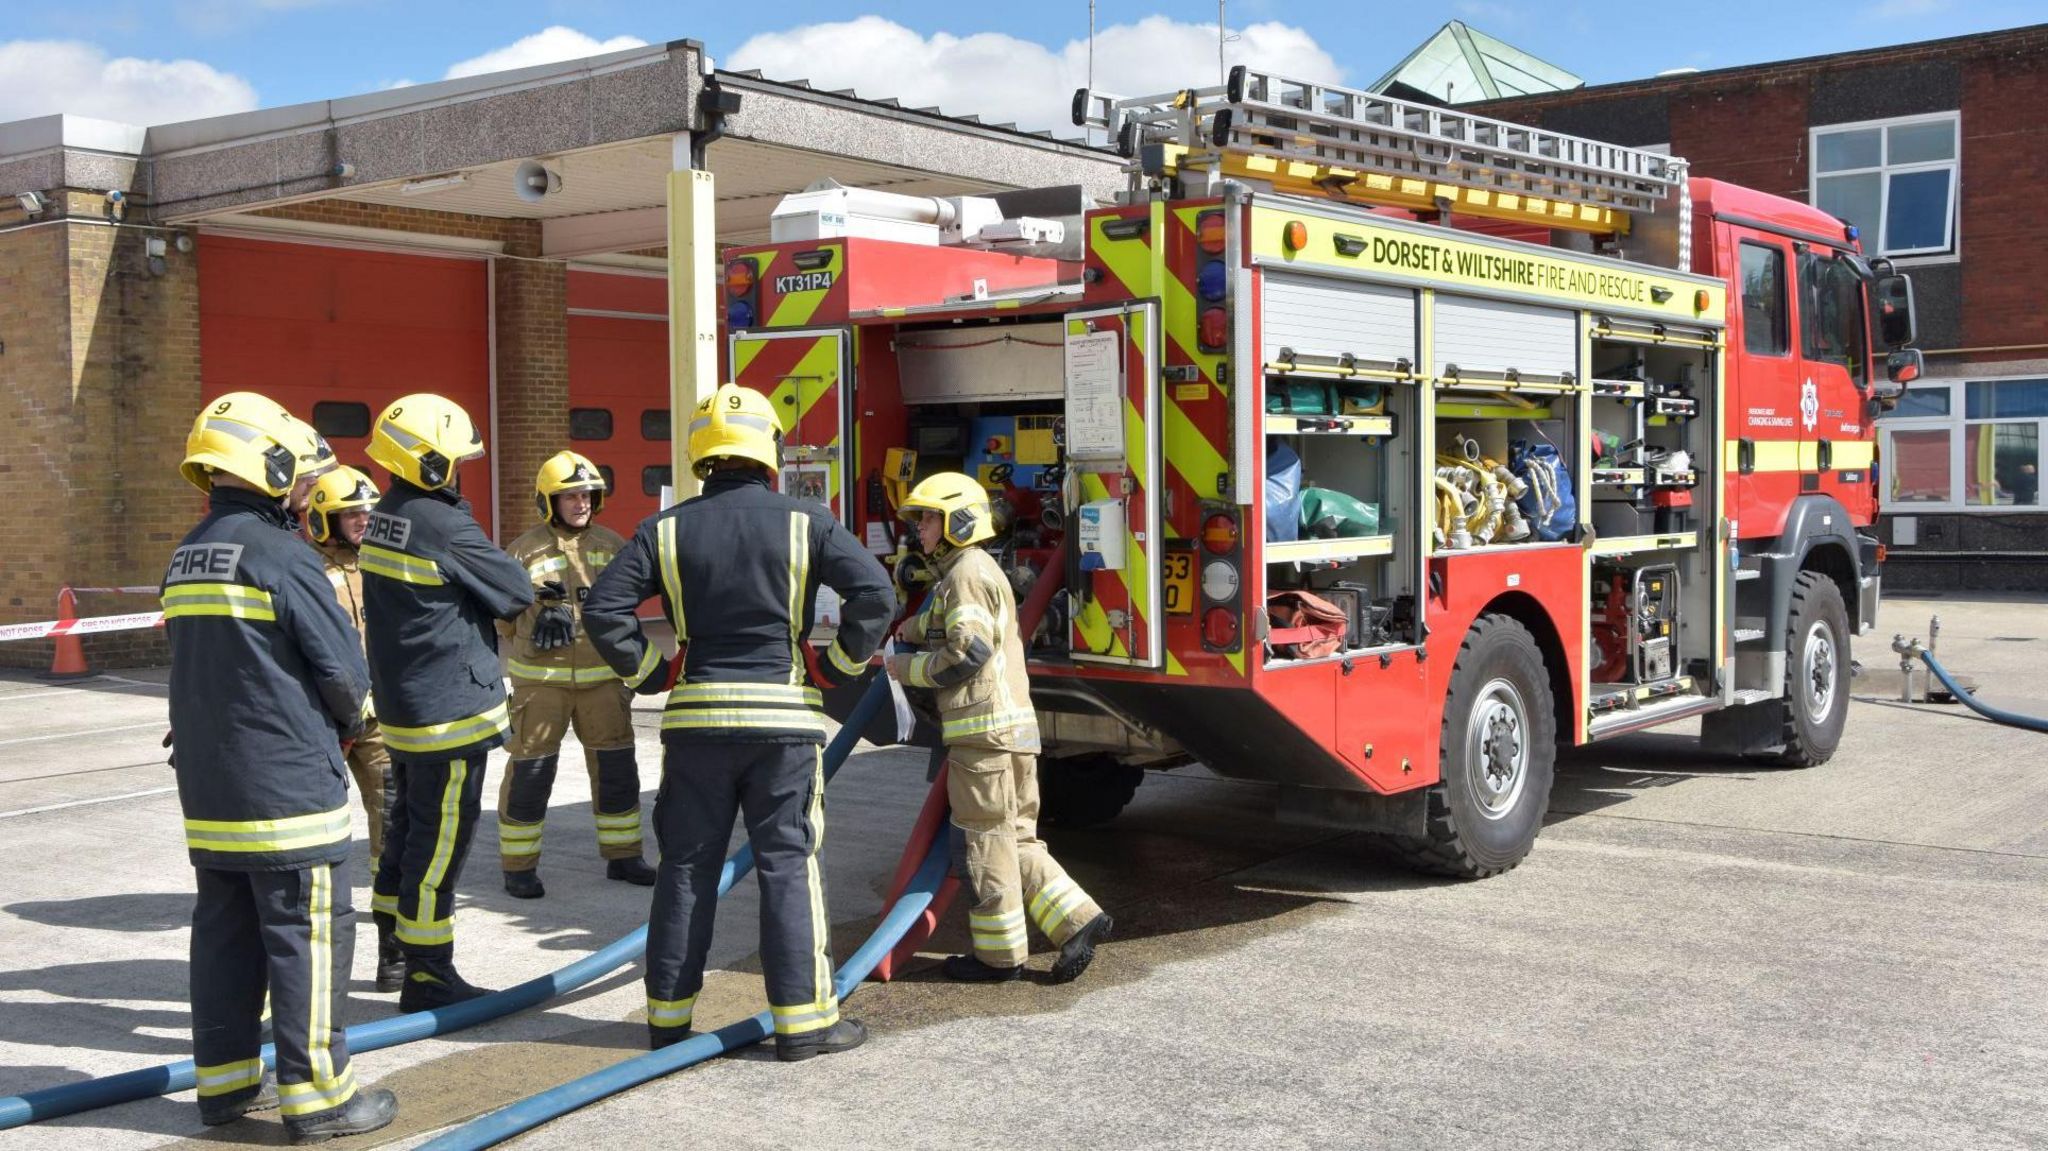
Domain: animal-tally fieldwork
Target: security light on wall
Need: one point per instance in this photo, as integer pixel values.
(535, 181)
(433, 184)
(31, 202)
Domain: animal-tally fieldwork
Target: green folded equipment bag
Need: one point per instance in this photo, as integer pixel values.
(1327, 515)
(1298, 398)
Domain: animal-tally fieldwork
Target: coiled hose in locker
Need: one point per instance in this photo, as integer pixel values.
(128, 1086)
(555, 1102)
(1994, 714)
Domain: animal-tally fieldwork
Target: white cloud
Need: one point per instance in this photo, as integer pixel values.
(40, 77)
(1003, 79)
(547, 46)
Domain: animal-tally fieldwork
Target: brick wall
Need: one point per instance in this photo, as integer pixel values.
(2004, 224)
(532, 299)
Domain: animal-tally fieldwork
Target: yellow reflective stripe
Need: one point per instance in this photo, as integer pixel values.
(383, 904)
(227, 1078)
(998, 932)
(333, 1089)
(970, 613)
(300, 1099)
(289, 834)
(543, 567)
(379, 560)
(919, 674)
(772, 720)
(843, 663)
(238, 601)
(597, 559)
(579, 676)
(1055, 901)
(649, 660)
(805, 1018)
(518, 839)
(689, 693)
(622, 819)
(996, 721)
(671, 576)
(671, 1012)
(821, 923)
(799, 577)
(422, 930)
(442, 736)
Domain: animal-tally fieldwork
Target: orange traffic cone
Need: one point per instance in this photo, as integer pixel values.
(69, 660)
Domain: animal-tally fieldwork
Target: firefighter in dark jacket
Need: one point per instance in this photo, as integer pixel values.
(434, 588)
(267, 687)
(738, 569)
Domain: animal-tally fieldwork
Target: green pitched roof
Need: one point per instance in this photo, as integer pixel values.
(1459, 65)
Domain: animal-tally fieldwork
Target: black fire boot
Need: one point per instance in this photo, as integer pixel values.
(970, 969)
(431, 983)
(1077, 953)
(844, 1035)
(390, 959)
(524, 884)
(660, 1037)
(633, 870)
(370, 1109)
(228, 1108)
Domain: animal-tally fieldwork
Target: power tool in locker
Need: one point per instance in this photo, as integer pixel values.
(1635, 623)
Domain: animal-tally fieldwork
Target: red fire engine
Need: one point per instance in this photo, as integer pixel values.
(1376, 448)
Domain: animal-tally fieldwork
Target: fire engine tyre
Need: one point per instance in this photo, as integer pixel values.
(1498, 751)
(1816, 672)
(1085, 790)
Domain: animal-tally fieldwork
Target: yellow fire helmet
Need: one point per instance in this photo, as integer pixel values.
(959, 498)
(734, 422)
(421, 437)
(340, 490)
(567, 472)
(250, 437)
(317, 457)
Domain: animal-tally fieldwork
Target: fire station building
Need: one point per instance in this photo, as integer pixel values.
(1935, 152)
(499, 239)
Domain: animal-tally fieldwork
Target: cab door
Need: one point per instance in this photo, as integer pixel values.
(1111, 489)
(1764, 417)
(1837, 450)
(803, 375)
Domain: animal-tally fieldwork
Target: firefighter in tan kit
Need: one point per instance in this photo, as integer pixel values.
(975, 660)
(559, 682)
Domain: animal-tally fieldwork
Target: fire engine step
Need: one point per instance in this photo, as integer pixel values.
(1650, 714)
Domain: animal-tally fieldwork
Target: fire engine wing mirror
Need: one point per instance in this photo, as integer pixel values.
(1892, 299)
(1900, 368)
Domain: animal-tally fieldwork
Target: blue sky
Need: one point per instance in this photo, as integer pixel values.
(175, 59)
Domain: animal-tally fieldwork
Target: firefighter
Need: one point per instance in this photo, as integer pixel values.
(337, 512)
(559, 681)
(975, 661)
(738, 570)
(267, 685)
(435, 587)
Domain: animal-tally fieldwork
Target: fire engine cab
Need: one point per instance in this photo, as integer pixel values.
(1367, 448)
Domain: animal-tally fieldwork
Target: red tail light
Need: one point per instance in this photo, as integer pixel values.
(1219, 628)
(1214, 332)
(1209, 232)
(1219, 534)
(739, 277)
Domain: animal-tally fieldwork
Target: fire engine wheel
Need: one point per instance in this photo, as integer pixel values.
(1085, 790)
(1816, 672)
(1497, 749)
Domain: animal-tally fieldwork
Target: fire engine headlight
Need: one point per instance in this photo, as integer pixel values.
(1219, 581)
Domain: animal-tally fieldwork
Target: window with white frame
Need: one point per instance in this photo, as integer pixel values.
(1894, 179)
(1965, 445)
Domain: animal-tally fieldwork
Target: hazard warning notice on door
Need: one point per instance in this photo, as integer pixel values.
(1095, 398)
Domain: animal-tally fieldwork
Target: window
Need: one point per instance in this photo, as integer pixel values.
(655, 478)
(1764, 327)
(1972, 445)
(590, 423)
(1831, 313)
(338, 420)
(605, 470)
(1895, 180)
(654, 424)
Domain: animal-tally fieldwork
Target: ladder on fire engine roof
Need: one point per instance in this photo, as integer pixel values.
(1362, 147)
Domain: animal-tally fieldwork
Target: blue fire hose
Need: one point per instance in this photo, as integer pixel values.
(128, 1086)
(555, 1102)
(1994, 714)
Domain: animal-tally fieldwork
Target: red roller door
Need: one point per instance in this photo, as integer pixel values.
(618, 387)
(335, 334)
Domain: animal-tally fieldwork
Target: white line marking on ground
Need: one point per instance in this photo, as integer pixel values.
(86, 802)
(77, 734)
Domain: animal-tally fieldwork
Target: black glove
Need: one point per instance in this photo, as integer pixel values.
(554, 627)
(172, 759)
(551, 592)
